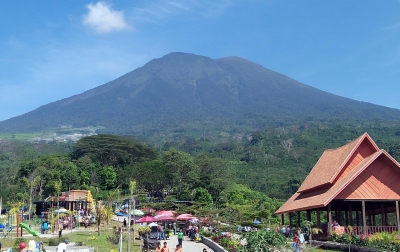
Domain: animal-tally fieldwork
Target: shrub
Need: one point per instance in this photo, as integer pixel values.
(262, 240)
(55, 241)
(114, 238)
(18, 241)
(205, 233)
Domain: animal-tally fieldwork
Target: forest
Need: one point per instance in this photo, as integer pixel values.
(249, 175)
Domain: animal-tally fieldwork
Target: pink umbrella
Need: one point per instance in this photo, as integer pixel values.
(164, 212)
(164, 218)
(185, 217)
(146, 219)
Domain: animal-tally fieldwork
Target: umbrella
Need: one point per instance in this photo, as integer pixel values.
(164, 218)
(60, 211)
(153, 224)
(146, 219)
(137, 212)
(164, 212)
(257, 222)
(185, 217)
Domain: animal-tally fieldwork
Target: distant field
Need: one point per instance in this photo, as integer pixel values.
(50, 134)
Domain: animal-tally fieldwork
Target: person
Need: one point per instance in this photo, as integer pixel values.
(45, 227)
(124, 223)
(178, 248)
(302, 241)
(180, 237)
(174, 227)
(165, 248)
(296, 243)
(284, 230)
(60, 228)
(62, 247)
(160, 232)
(288, 234)
(158, 248)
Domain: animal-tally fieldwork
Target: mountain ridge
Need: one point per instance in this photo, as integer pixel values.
(188, 88)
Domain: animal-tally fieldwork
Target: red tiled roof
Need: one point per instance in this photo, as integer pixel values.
(322, 196)
(331, 163)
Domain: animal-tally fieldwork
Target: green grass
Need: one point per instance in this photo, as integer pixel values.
(319, 250)
(88, 237)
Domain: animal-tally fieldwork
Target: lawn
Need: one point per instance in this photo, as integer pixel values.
(87, 237)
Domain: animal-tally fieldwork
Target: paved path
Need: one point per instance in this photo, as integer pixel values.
(187, 244)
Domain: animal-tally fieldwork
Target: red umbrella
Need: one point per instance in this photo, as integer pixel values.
(146, 219)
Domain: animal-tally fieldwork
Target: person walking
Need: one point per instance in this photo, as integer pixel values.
(62, 247)
(180, 237)
(60, 228)
(174, 227)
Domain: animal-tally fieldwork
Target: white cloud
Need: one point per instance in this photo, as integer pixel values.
(104, 19)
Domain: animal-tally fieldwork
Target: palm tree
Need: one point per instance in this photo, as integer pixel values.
(132, 189)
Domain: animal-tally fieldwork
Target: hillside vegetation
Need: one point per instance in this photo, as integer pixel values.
(261, 169)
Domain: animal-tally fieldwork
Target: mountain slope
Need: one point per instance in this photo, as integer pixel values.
(181, 87)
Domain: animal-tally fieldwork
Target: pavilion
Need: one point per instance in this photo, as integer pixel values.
(70, 200)
(358, 183)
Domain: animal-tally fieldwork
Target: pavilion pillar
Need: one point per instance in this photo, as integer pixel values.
(290, 220)
(308, 215)
(298, 219)
(357, 219)
(283, 219)
(382, 215)
(386, 218)
(329, 219)
(319, 218)
(364, 218)
(374, 221)
(397, 216)
(369, 213)
(338, 216)
(351, 214)
(346, 216)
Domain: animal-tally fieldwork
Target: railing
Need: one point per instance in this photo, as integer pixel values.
(359, 230)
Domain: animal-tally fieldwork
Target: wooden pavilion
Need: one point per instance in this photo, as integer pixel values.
(358, 184)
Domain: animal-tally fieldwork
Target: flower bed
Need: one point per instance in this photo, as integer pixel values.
(376, 242)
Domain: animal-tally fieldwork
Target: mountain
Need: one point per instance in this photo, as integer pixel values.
(185, 89)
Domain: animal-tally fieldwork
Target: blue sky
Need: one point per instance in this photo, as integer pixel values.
(55, 49)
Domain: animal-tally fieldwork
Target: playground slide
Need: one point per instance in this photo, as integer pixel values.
(30, 230)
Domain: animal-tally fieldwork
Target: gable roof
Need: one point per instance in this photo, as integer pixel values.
(339, 178)
(332, 162)
(321, 197)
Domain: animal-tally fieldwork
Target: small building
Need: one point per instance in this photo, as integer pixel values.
(70, 200)
(356, 184)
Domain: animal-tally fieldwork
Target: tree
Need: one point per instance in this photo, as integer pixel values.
(33, 183)
(110, 150)
(152, 175)
(101, 212)
(214, 175)
(203, 197)
(132, 189)
(108, 178)
(183, 170)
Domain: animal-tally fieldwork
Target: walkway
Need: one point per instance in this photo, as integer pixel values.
(187, 244)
